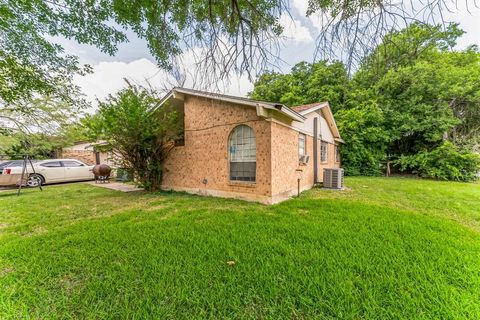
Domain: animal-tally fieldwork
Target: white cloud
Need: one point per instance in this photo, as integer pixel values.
(315, 19)
(294, 30)
(469, 22)
(301, 6)
(108, 78)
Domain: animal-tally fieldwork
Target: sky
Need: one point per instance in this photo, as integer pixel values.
(134, 62)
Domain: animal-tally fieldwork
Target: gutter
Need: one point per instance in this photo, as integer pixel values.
(277, 107)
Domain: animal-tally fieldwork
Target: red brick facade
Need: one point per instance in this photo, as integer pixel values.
(85, 156)
(202, 164)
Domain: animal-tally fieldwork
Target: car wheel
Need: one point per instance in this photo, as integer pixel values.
(35, 180)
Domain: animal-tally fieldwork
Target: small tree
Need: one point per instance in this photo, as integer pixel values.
(141, 136)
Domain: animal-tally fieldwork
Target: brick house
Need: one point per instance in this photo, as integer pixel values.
(253, 150)
(88, 153)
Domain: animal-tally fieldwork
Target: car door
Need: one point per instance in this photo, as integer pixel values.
(52, 171)
(75, 170)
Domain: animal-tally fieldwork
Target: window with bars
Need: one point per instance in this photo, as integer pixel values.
(324, 152)
(243, 153)
(302, 145)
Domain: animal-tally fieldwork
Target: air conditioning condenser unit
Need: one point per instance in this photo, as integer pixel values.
(333, 178)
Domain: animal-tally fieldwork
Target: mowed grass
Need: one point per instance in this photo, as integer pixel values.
(384, 248)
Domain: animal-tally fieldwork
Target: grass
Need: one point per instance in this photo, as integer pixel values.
(384, 248)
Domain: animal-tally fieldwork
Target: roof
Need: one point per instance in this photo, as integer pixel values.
(234, 99)
(296, 113)
(308, 106)
(325, 109)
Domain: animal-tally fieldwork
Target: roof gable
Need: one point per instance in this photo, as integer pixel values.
(324, 108)
(307, 108)
(290, 113)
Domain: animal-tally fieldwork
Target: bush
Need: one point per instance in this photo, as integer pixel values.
(365, 139)
(142, 138)
(446, 162)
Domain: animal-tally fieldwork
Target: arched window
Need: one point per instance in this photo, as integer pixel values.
(243, 154)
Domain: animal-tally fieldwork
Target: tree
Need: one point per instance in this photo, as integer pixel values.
(225, 36)
(41, 114)
(231, 34)
(306, 83)
(409, 96)
(42, 144)
(427, 92)
(361, 126)
(142, 138)
(352, 29)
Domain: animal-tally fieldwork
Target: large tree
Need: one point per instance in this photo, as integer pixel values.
(306, 83)
(225, 35)
(408, 96)
(232, 34)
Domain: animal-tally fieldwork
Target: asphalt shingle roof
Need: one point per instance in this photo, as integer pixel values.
(307, 106)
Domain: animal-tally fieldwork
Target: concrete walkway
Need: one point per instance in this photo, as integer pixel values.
(113, 185)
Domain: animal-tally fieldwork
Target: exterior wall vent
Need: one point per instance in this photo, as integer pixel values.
(333, 178)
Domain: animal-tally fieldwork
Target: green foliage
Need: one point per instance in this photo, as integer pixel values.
(404, 48)
(40, 145)
(306, 83)
(31, 67)
(408, 95)
(425, 91)
(366, 141)
(142, 138)
(45, 114)
(31, 64)
(446, 162)
(416, 116)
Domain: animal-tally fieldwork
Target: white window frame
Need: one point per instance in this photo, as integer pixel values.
(324, 151)
(337, 153)
(242, 148)
(302, 149)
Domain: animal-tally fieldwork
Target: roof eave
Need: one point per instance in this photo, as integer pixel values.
(315, 108)
(321, 106)
(332, 119)
(293, 114)
(282, 109)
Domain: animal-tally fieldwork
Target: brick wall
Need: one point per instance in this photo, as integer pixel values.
(285, 165)
(208, 124)
(85, 156)
(285, 161)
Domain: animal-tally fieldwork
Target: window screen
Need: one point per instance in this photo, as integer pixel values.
(242, 150)
(337, 154)
(323, 151)
(301, 145)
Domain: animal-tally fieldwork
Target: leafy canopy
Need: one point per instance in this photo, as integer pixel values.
(306, 83)
(408, 96)
(231, 34)
(142, 138)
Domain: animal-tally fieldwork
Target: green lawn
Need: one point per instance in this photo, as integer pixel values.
(384, 248)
